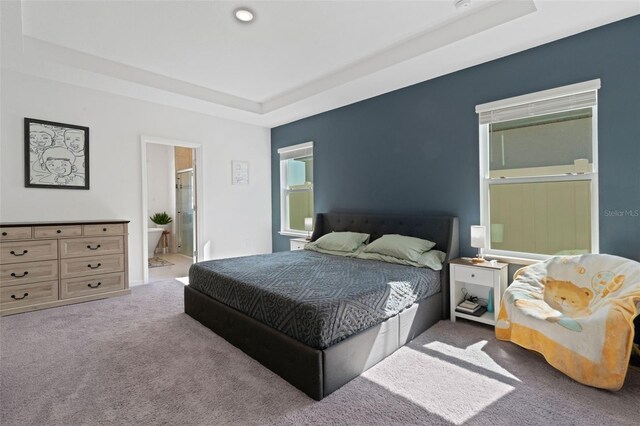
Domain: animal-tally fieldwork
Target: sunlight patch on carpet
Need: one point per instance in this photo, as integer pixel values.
(473, 355)
(462, 393)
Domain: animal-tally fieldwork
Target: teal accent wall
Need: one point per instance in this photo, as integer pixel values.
(415, 150)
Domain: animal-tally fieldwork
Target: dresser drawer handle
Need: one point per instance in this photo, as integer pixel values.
(94, 267)
(21, 254)
(59, 231)
(94, 286)
(473, 275)
(93, 248)
(4, 234)
(104, 229)
(13, 274)
(13, 296)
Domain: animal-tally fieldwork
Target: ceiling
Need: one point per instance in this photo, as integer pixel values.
(296, 59)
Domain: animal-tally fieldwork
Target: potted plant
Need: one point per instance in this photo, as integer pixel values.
(161, 219)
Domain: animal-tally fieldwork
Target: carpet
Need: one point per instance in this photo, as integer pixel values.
(157, 262)
(139, 359)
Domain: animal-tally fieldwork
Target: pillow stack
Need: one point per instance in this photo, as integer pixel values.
(404, 250)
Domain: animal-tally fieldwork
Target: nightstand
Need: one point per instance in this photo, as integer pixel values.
(477, 279)
(298, 243)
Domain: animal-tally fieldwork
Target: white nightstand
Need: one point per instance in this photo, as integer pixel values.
(298, 243)
(477, 278)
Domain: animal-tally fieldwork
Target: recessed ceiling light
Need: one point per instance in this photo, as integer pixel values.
(243, 14)
(462, 4)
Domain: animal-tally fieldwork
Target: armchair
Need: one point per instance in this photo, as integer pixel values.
(578, 312)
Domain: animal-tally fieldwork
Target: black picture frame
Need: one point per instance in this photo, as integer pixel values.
(56, 155)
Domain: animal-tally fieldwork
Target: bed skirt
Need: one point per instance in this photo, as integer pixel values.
(315, 372)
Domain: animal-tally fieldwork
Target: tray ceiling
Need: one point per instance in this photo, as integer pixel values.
(298, 58)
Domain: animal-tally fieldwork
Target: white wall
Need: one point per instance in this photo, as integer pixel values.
(236, 219)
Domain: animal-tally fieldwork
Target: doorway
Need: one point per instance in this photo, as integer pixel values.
(170, 188)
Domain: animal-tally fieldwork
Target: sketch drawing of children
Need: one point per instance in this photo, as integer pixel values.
(74, 141)
(40, 138)
(59, 163)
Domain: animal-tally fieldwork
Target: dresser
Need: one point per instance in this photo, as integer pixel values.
(47, 264)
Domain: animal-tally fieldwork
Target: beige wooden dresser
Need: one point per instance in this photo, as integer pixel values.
(43, 265)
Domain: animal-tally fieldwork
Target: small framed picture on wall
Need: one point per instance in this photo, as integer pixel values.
(56, 155)
(240, 172)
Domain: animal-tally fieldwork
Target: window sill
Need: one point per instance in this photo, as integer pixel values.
(512, 260)
(293, 234)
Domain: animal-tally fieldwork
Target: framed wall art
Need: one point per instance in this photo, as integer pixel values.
(56, 155)
(240, 172)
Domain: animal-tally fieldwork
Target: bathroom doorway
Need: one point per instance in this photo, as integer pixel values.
(170, 177)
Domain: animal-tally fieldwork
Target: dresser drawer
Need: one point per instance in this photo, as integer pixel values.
(28, 251)
(474, 275)
(85, 286)
(15, 233)
(23, 273)
(28, 294)
(104, 229)
(79, 247)
(70, 268)
(57, 231)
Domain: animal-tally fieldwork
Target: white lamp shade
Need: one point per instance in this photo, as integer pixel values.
(478, 236)
(308, 224)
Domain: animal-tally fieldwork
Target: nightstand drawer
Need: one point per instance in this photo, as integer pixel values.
(15, 233)
(297, 244)
(28, 294)
(23, 273)
(474, 275)
(57, 231)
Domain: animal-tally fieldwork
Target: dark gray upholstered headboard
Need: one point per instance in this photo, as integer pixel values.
(442, 230)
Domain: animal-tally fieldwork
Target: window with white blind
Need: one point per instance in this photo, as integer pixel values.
(296, 189)
(539, 173)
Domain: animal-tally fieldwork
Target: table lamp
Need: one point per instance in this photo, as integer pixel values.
(308, 226)
(478, 236)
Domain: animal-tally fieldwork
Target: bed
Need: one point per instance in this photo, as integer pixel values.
(315, 361)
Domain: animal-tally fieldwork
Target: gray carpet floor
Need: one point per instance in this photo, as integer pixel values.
(139, 359)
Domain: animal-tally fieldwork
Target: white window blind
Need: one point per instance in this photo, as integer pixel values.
(296, 151)
(575, 96)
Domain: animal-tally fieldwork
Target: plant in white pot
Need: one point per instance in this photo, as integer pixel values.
(161, 219)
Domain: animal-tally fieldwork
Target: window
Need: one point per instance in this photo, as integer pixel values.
(296, 188)
(538, 173)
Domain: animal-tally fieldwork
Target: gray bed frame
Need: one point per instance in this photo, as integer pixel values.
(320, 372)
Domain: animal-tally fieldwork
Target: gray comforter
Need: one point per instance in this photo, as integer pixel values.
(318, 299)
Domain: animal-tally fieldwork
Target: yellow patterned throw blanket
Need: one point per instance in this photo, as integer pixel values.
(578, 312)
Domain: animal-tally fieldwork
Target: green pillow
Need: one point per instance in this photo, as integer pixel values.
(312, 247)
(432, 259)
(400, 246)
(340, 241)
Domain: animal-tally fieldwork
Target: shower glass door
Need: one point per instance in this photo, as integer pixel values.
(185, 198)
